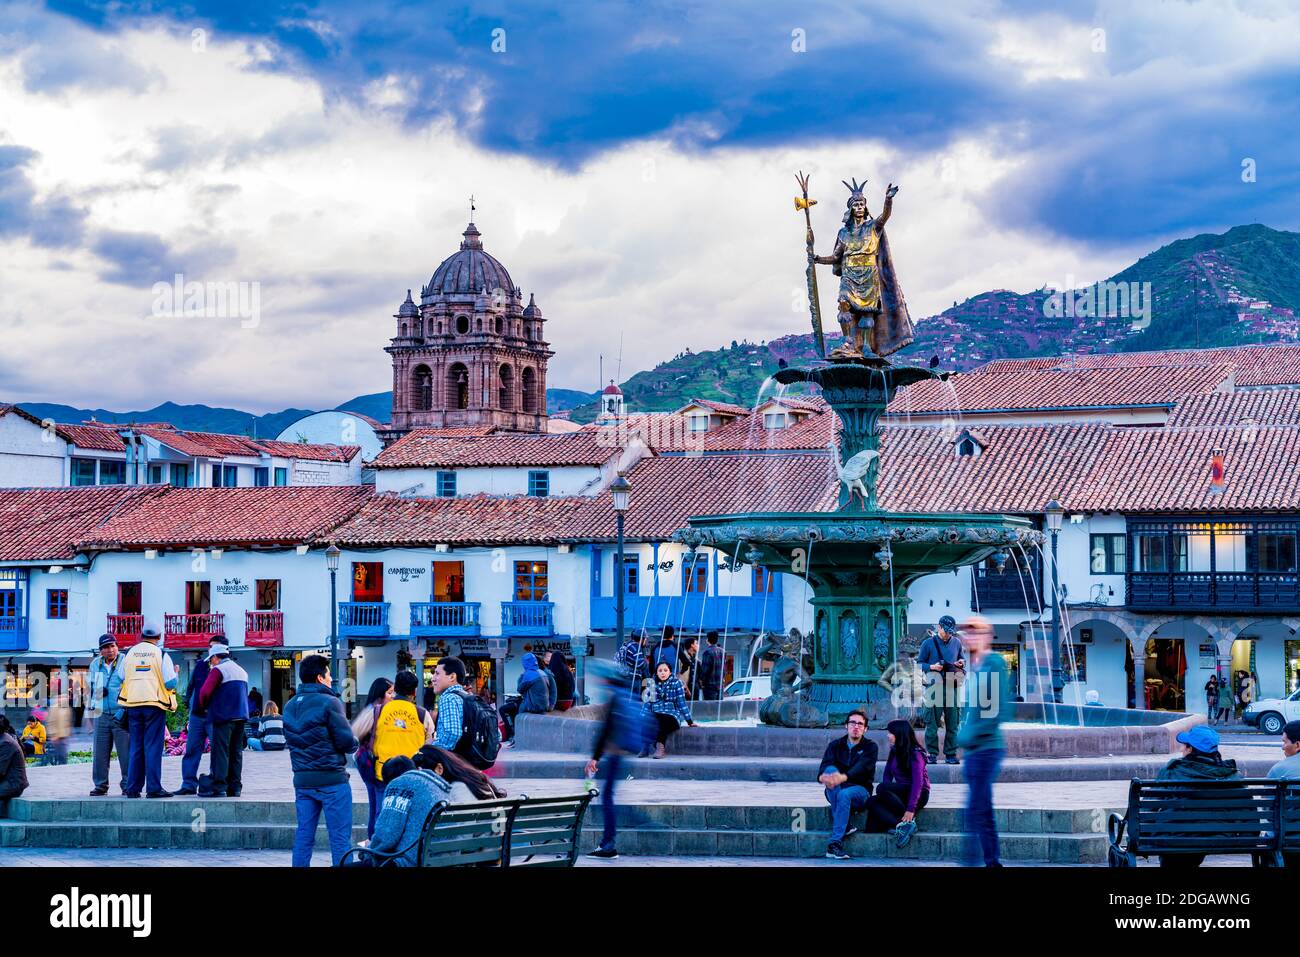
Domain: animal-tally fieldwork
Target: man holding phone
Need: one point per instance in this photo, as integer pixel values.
(942, 658)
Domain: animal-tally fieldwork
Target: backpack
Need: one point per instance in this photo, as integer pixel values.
(629, 660)
(399, 729)
(480, 737)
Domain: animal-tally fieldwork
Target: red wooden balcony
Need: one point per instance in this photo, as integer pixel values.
(264, 629)
(126, 629)
(193, 632)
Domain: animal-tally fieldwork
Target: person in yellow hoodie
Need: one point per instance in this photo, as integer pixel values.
(33, 739)
(148, 693)
(403, 727)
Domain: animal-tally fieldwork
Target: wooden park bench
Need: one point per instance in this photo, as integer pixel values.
(1254, 816)
(512, 832)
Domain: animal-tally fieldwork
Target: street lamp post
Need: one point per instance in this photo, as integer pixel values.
(621, 490)
(1055, 513)
(332, 563)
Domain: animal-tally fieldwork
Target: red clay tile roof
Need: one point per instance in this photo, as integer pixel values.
(46, 523)
(666, 491)
(220, 444)
(1263, 407)
(427, 448)
(1093, 388)
(1091, 467)
(98, 437)
(1254, 365)
(182, 517)
(388, 520)
(310, 451)
(725, 408)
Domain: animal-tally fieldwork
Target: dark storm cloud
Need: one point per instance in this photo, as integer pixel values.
(1121, 155)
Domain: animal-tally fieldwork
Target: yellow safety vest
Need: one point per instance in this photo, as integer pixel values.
(143, 686)
(399, 730)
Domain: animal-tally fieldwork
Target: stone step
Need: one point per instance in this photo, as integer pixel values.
(211, 836)
(925, 845)
(540, 764)
(184, 811)
(793, 819)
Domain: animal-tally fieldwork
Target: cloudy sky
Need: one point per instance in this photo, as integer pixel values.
(632, 165)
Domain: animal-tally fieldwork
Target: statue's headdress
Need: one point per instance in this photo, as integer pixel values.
(855, 192)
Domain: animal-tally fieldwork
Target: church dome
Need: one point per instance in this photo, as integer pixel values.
(468, 271)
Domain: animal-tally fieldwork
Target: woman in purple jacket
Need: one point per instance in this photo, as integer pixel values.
(905, 788)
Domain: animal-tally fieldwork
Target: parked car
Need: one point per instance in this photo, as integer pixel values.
(1270, 714)
(753, 688)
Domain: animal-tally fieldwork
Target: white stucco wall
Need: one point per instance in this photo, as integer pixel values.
(29, 455)
(565, 480)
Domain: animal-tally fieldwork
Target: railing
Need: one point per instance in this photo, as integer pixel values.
(527, 618)
(434, 619)
(190, 632)
(691, 612)
(13, 633)
(363, 619)
(1214, 591)
(126, 629)
(263, 629)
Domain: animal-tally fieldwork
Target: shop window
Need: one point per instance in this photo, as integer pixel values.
(695, 577)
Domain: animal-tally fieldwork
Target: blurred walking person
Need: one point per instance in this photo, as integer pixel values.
(987, 706)
(626, 730)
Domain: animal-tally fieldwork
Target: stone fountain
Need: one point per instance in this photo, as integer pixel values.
(858, 560)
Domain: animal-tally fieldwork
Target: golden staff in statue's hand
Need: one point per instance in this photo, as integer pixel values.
(814, 303)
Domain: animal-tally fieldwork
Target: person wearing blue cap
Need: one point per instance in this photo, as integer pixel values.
(1200, 761)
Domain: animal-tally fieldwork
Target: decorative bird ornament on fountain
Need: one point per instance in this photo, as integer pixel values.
(854, 470)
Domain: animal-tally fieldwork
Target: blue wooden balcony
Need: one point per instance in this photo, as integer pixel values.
(527, 618)
(441, 619)
(690, 612)
(363, 619)
(13, 633)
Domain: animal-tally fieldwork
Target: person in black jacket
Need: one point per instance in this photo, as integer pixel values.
(565, 684)
(320, 740)
(13, 763)
(847, 772)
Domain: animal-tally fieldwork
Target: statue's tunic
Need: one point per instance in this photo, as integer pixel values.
(856, 250)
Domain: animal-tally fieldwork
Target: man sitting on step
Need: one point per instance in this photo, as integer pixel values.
(847, 772)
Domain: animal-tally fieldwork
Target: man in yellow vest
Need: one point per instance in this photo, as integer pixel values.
(148, 694)
(402, 726)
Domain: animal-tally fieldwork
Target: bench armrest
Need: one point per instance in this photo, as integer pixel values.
(1115, 825)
